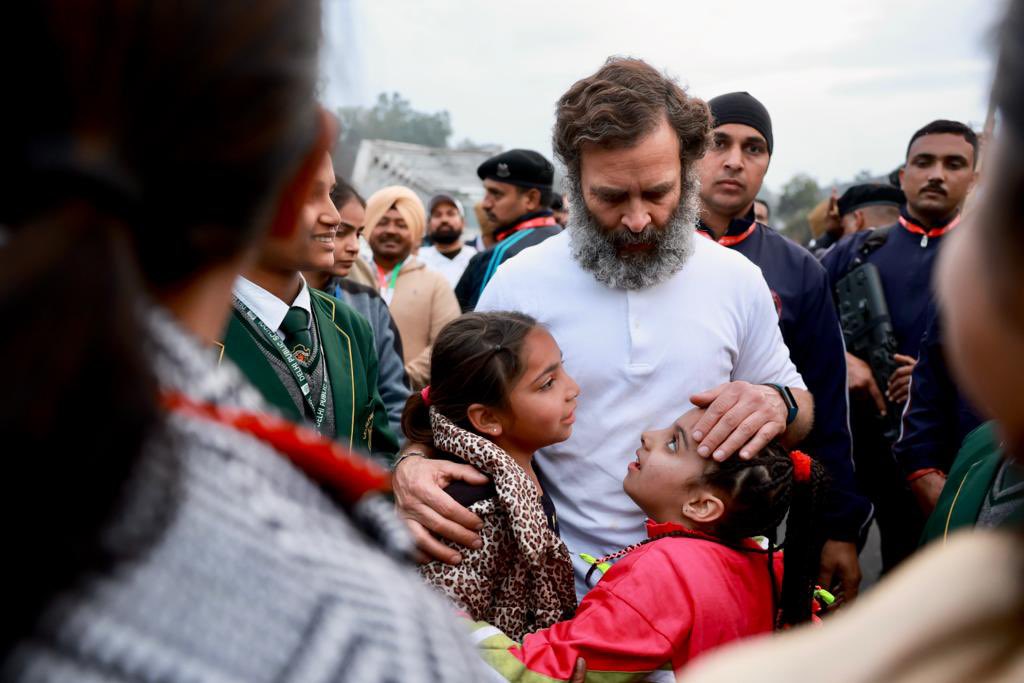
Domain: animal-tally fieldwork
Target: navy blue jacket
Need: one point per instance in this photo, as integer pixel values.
(810, 328)
(937, 417)
(475, 277)
(906, 271)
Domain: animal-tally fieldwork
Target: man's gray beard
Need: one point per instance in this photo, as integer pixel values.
(597, 250)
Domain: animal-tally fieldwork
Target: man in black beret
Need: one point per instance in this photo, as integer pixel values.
(871, 205)
(731, 174)
(517, 197)
(862, 207)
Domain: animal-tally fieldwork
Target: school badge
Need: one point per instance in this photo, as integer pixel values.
(301, 353)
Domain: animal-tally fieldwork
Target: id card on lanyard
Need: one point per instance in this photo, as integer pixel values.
(319, 410)
(386, 283)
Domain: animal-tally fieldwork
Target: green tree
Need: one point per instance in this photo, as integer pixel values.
(799, 195)
(391, 118)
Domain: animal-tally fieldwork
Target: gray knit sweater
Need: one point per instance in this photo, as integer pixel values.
(248, 571)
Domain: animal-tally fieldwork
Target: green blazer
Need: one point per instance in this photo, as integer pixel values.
(360, 417)
(970, 478)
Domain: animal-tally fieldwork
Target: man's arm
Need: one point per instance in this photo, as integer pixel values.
(928, 439)
(419, 485)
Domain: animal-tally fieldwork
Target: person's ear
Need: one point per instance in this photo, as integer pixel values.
(297, 187)
(903, 171)
(533, 199)
(859, 217)
(484, 419)
(703, 507)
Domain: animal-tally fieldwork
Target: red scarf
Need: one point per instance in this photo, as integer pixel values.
(351, 475)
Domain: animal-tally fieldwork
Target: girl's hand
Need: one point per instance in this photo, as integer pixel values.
(419, 494)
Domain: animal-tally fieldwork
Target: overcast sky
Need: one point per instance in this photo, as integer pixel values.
(846, 81)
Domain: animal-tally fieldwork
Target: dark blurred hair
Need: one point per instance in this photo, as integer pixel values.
(344, 193)
(557, 202)
(998, 225)
(767, 208)
(759, 493)
(945, 126)
(622, 103)
(145, 143)
(476, 358)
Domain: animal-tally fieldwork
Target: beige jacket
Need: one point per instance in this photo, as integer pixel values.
(952, 614)
(423, 303)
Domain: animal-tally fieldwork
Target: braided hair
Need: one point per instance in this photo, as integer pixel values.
(759, 493)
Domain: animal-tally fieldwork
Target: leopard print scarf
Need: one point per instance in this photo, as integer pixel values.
(544, 558)
(516, 491)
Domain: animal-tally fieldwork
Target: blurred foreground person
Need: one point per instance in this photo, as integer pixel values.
(166, 526)
(970, 624)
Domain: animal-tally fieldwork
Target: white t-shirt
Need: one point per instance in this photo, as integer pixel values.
(637, 356)
(451, 268)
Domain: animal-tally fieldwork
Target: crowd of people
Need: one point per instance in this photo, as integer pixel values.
(285, 432)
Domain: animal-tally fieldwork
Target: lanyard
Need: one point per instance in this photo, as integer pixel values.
(386, 283)
(934, 232)
(730, 240)
(733, 240)
(319, 410)
(351, 475)
(498, 255)
(539, 222)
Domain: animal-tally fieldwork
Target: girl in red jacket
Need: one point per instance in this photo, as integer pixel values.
(699, 580)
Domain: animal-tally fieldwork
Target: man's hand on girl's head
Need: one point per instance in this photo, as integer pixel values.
(739, 416)
(419, 485)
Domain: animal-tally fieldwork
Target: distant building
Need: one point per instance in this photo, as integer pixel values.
(425, 170)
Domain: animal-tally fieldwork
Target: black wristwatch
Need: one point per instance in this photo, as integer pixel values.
(787, 397)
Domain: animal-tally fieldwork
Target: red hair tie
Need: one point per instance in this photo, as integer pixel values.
(801, 466)
(425, 393)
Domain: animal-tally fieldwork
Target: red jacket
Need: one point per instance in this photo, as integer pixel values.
(660, 606)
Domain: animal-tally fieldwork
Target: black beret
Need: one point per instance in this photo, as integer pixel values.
(869, 194)
(742, 107)
(522, 167)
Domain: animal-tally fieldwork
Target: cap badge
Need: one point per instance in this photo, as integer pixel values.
(503, 171)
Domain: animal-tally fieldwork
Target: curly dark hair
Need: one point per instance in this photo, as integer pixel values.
(621, 103)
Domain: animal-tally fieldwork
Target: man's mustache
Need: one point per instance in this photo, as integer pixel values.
(934, 187)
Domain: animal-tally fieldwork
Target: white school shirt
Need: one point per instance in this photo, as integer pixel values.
(267, 306)
(451, 268)
(637, 355)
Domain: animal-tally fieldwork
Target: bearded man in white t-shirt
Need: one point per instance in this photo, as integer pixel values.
(649, 316)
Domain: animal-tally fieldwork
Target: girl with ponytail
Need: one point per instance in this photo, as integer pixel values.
(700, 579)
(499, 393)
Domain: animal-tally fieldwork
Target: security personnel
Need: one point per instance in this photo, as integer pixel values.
(861, 207)
(937, 420)
(731, 175)
(938, 173)
(517, 186)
